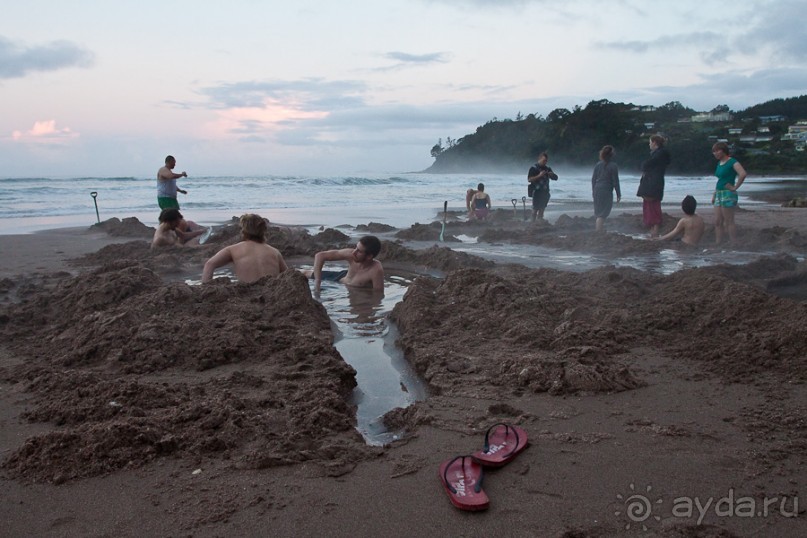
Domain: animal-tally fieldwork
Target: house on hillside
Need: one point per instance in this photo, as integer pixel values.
(772, 119)
(794, 132)
(797, 134)
(711, 116)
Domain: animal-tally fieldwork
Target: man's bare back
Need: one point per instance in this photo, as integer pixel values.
(164, 237)
(693, 229)
(691, 226)
(251, 261)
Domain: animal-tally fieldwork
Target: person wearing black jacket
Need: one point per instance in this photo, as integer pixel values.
(651, 186)
(538, 185)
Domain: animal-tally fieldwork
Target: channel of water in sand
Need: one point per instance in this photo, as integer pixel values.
(665, 261)
(366, 337)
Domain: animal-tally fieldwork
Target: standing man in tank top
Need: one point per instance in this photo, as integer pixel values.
(167, 185)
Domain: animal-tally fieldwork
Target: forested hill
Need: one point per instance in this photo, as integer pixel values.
(574, 137)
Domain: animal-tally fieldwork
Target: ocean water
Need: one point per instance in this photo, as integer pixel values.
(34, 204)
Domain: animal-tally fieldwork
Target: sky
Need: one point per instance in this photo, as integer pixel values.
(298, 87)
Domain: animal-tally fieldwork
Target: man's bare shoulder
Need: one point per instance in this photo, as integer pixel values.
(337, 254)
(692, 220)
(377, 267)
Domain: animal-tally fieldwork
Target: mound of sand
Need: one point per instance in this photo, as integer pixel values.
(114, 356)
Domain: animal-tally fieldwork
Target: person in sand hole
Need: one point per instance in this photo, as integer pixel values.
(252, 257)
(363, 271)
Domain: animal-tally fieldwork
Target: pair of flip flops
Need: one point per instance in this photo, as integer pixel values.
(462, 476)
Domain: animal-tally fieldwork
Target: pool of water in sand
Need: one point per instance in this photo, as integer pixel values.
(365, 337)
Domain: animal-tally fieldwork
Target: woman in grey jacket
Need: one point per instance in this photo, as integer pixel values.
(604, 181)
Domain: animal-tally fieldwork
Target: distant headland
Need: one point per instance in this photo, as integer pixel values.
(768, 138)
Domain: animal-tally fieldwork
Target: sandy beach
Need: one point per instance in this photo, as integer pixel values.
(134, 404)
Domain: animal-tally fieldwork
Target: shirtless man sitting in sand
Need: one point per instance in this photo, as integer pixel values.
(691, 225)
(174, 229)
(363, 271)
(252, 258)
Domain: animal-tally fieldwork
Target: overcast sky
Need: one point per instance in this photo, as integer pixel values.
(99, 88)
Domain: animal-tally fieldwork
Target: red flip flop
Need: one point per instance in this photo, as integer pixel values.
(462, 480)
(502, 443)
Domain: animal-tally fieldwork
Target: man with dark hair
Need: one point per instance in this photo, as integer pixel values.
(363, 271)
(252, 258)
(167, 184)
(166, 233)
(174, 229)
(691, 225)
(538, 189)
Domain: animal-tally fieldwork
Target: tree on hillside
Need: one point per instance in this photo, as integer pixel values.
(672, 111)
(575, 136)
(793, 108)
(558, 115)
(437, 149)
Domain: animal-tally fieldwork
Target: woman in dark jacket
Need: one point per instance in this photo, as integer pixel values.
(651, 186)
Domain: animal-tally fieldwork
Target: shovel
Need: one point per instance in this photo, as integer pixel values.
(95, 201)
(515, 211)
(524, 203)
(443, 230)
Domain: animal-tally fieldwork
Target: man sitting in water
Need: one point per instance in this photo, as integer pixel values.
(363, 270)
(690, 224)
(252, 258)
(174, 229)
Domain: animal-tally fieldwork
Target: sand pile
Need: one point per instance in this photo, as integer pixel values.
(133, 368)
(115, 358)
(546, 330)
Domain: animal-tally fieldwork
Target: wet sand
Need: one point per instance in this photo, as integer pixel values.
(132, 404)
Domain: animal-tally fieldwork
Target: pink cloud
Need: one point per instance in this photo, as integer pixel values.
(45, 131)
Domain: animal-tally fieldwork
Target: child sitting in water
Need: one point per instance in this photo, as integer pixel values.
(469, 196)
(691, 225)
